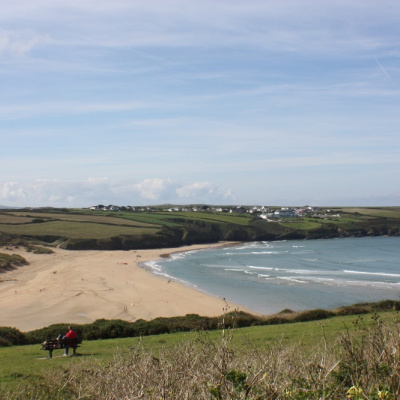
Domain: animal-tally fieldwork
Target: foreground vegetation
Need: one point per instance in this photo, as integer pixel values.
(340, 358)
(85, 229)
(111, 329)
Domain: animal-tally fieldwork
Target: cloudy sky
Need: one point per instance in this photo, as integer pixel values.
(136, 102)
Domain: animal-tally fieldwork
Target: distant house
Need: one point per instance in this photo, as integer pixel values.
(267, 216)
(285, 212)
(238, 210)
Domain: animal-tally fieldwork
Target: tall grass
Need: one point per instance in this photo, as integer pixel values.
(362, 364)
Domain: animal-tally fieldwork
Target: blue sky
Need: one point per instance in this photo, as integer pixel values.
(220, 102)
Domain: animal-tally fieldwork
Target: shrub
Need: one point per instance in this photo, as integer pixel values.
(11, 336)
(39, 249)
(313, 315)
(4, 342)
(386, 305)
(352, 310)
(50, 332)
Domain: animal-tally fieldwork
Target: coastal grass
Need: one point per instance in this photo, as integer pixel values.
(308, 359)
(10, 261)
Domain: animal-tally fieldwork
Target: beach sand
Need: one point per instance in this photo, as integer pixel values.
(79, 287)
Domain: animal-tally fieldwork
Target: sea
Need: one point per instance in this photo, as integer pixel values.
(268, 277)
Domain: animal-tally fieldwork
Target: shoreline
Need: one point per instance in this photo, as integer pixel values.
(80, 287)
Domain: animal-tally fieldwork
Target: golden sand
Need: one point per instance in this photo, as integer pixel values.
(82, 286)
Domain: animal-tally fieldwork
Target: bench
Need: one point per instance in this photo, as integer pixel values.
(55, 344)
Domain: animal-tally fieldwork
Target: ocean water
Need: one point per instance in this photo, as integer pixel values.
(268, 277)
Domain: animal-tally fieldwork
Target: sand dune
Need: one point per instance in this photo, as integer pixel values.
(82, 286)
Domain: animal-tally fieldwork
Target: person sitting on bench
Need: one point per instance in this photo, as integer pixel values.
(72, 335)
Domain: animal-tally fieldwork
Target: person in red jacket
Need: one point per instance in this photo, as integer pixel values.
(71, 334)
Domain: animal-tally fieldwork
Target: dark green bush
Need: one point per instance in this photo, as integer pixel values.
(313, 315)
(11, 336)
(107, 329)
(276, 321)
(4, 342)
(50, 332)
(386, 305)
(352, 310)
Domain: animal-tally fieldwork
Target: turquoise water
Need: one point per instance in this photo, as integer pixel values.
(268, 277)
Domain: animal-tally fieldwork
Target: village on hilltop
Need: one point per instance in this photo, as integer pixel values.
(261, 212)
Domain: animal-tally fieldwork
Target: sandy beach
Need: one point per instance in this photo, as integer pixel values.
(82, 286)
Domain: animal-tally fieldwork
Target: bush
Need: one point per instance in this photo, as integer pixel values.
(352, 310)
(50, 332)
(110, 329)
(313, 315)
(386, 305)
(39, 250)
(11, 336)
(4, 342)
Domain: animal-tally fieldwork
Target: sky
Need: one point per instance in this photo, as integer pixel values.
(133, 102)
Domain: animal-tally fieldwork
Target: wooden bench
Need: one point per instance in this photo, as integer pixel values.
(55, 344)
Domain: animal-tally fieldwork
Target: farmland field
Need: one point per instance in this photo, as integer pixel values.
(77, 229)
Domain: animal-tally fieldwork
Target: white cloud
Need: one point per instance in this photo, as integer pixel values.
(83, 193)
(196, 189)
(155, 189)
(227, 90)
(205, 192)
(12, 191)
(20, 43)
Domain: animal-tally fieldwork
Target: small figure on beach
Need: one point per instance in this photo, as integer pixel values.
(71, 334)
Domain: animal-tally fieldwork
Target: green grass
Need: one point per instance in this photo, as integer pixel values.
(238, 219)
(378, 212)
(14, 219)
(94, 218)
(83, 230)
(303, 224)
(29, 362)
(151, 218)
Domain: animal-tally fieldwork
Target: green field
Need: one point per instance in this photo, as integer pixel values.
(85, 229)
(23, 360)
(242, 349)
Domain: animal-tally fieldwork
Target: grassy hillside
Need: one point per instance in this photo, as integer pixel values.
(304, 360)
(84, 229)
